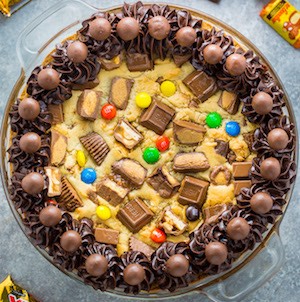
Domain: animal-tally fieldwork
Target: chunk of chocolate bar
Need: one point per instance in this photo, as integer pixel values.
(188, 133)
(111, 64)
(179, 60)
(201, 85)
(138, 62)
(171, 223)
(191, 162)
(87, 85)
(222, 148)
(107, 236)
(54, 181)
(229, 101)
(193, 191)
(56, 113)
(88, 104)
(131, 171)
(135, 214)
(120, 91)
(163, 182)
(157, 117)
(126, 134)
(212, 214)
(249, 139)
(96, 146)
(241, 169)
(59, 144)
(111, 191)
(240, 184)
(140, 246)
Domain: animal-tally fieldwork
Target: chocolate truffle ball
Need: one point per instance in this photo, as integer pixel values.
(96, 265)
(262, 103)
(177, 265)
(186, 36)
(216, 253)
(48, 78)
(50, 216)
(30, 142)
(238, 228)
(212, 54)
(236, 64)
(29, 109)
(270, 168)
(159, 27)
(70, 241)
(192, 213)
(128, 28)
(77, 52)
(134, 274)
(99, 29)
(261, 203)
(278, 139)
(33, 183)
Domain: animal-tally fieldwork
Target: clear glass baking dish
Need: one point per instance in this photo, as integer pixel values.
(35, 43)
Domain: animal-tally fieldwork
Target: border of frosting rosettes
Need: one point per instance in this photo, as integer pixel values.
(211, 249)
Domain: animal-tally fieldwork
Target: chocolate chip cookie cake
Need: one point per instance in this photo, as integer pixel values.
(149, 150)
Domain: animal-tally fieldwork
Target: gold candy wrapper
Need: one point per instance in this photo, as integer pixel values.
(285, 19)
(5, 6)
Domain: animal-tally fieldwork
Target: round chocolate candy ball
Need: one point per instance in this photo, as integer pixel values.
(159, 27)
(128, 28)
(77, 52)
(270, 168)
(96, 265)
(212, 54)
(29, 109)
(48, 78)
(192, 213)
(236, 64)
(30, 142)
(278, 139)
(33, 183)
(100, 29)
(177, 265)
(262, 103)
(238, 228)
(261, 203)
(134, 274)
(216, 253)
(186, 36)
(70, 241)
(50, 216)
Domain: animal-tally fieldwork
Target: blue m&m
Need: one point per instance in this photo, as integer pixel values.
(232, 128)
(88, 175)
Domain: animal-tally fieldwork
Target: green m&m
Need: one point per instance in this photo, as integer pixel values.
(213, 120)
(151, 155)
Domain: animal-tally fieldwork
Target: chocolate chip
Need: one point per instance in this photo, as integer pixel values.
(29, 109)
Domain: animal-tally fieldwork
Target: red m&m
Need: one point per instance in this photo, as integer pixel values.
(162, 143)
(158, 236)
(108, 111)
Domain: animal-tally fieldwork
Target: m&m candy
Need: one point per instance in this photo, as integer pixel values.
(158, 236)
(162, 143)
(108, 111)
(232, 128)
(103, 212)
(80, 158)
(167, 88)
(88, 175)
(213, 120)
(151, 155)
(143, 100)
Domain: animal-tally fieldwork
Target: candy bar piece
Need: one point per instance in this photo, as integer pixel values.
(111, 64)
(138, 62)
(140, 246)
(212, 214)
(179, 60)
(126, 134)
(241, 169)
(120, 91)
(249, 139)
(135, 214)
(57, 113)
(69, 199)
(59, 144)
(188, 133)
(87, 85)
(96, 146)
(163, 182)
(222, 148)
(193, 191)
(107, 236)
(191, 162)
(240, 184)
(229, 101)
(131, 171)
(157, 117)
(88, 104)
(171, 223)
(220, 175)
(54, 181)
(111, 191)
(201, 85)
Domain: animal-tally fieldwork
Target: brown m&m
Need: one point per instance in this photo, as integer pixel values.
(48, 78)
(177, 265)
(128, 28)
(278, 139)
(134, 274)
(261, 203)
(96, 265)
(236, 64)
(77, 52)
(270, 168)
(99, 29)
(216, 253)
(212, 54)
(29, 109)
(186, 36)
(262, 103)
(30, 142)
(50, 216)
(238, 228)
(159, 27)
(33, 183)
(70, 241)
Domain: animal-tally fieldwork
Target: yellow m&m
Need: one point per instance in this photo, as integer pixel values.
(167, 88)
(143, 100)
(80, 158)
(103, 212)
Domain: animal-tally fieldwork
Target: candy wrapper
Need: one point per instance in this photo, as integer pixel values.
(285, 19)
(6, 6)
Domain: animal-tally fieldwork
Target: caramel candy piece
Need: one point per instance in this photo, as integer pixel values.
(88, 104)
(111, 191)
(201, 85)
(138, 62)
(240, 184)
(59, 144)
(96, 146)
(222, 148)
(190, 162)
(57, 113)
(54, 179)
(163, 182)
(193, 191)
(171, 223)
(212, 214)
(120, 91)
(87, 85)
(111, 64)
(188, 133)
(241, 169)
(107, 236)
(140, 246)
(69, 199)
(229, 101)
(157, 117)
(135, 214)
(179, 60)
(126, 134)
